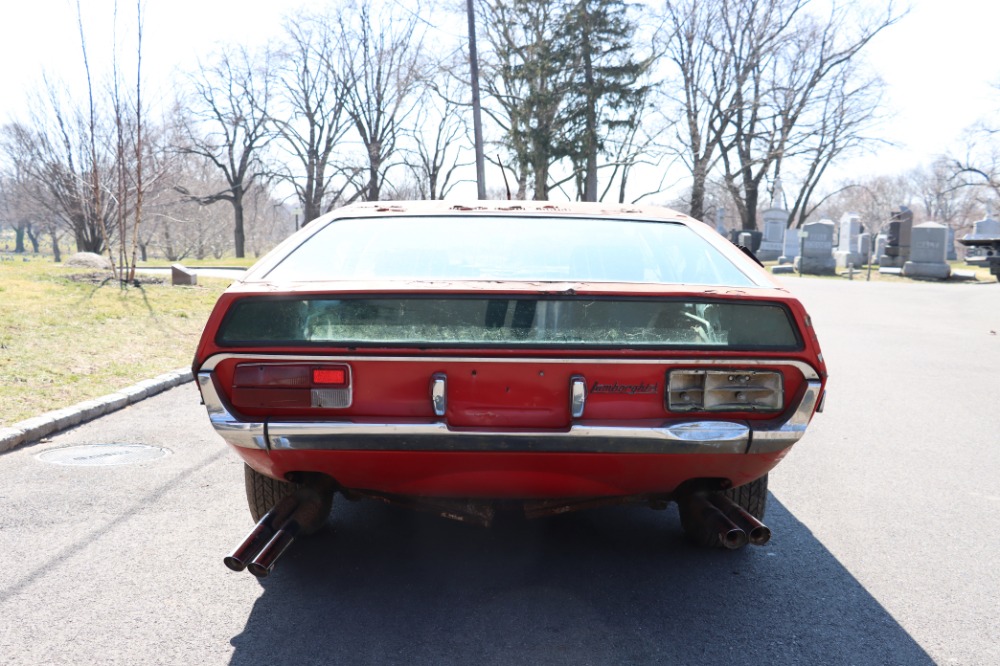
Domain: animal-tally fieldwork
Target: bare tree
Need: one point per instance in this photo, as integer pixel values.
(383, 71)
(438, 137)
(228, 126)
(309, 116)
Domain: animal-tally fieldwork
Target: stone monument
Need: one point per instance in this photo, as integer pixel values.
(897, 247)
(847, 249)
(790, 246)
(952, 255)
(775, 220)
(928, 252)
(817, 249)
(880, 243)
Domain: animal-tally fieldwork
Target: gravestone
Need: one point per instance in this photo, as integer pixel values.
(775, 221)
(745, 239)
(790, 248)
(847, 249)
(880, 242)
(951, 255)
(182, 276)
(897, 247)
(817, 249)
(864, 247)
(928, 252)
(720, 220)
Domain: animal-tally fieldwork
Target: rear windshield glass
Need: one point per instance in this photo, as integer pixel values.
(457, 320)
(477, 247)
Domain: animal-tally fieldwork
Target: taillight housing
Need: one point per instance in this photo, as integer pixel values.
(725, 391)
(292, 385)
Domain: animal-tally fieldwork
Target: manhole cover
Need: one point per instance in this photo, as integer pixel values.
(93, 455)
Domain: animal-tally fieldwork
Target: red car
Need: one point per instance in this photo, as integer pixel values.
(462, 358)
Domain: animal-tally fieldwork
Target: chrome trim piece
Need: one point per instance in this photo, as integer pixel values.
(439, 394)
(577, 396)
(807, 370)
(236, 432)
(690, 437)
(789, 432)
(732, 437)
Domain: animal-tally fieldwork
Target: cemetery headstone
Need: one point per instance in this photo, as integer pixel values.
(847, 248)
(817, 249)
(928, 252)
(790, 248)
(897, 247)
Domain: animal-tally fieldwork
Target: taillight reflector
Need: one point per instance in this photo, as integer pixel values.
(329, 376)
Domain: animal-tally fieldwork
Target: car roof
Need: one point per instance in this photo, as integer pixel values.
(382, 208)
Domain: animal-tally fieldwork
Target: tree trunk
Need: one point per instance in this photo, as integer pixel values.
(699, 175)
(19, 239)
(239, 236)
(56, 253)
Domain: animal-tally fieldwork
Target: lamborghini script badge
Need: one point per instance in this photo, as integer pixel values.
(625, 389)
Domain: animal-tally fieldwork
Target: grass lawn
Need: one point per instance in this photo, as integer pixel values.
(65, 338)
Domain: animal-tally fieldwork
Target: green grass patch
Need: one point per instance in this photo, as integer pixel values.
(66, 337)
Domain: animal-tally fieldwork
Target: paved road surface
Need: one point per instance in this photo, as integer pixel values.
(886, 547)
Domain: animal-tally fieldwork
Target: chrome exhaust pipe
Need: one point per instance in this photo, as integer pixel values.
(757, 532)
(261, 534)
(713, 523)
(311, 510)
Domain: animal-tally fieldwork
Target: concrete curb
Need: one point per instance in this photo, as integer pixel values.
(34, 429)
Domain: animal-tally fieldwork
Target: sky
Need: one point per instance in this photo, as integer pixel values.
(939, 62)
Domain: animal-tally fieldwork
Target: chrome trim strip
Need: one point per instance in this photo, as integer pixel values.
(236, 432)
(672, 437)
(439, 394)
(791, 431)
(690, 437)
(807, 370)
(577, 396)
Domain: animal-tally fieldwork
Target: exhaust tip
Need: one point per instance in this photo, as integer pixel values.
(234, 563)
(734, 539)
(760, 535)
(258, 570)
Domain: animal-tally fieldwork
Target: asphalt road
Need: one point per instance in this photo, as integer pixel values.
(886, 548)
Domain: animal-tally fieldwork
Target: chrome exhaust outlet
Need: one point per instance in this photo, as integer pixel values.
(757, 532)
(711, 524)
(311, 510)
(261, 534)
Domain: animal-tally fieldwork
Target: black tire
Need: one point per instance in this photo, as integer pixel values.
(263, 492)
(751, 496)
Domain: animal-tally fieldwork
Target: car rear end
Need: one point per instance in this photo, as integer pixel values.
(550, 358)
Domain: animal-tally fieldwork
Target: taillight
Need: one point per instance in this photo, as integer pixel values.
(724, 391)
(291, 385)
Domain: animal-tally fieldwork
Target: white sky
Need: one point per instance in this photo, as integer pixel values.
(938, 62)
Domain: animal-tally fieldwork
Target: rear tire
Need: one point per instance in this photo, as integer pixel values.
(263, 492)
(751, 496)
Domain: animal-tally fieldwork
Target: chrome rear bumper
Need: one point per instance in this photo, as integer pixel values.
(670, 437)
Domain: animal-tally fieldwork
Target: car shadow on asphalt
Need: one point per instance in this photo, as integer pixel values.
(382, 585)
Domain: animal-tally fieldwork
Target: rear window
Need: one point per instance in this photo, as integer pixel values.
(459, 320)
(474, 247)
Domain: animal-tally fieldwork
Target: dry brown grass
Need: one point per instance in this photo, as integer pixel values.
(65, 337)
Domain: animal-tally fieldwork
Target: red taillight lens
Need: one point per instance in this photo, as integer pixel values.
(293, 386)
(275, 375)
(329, 376)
